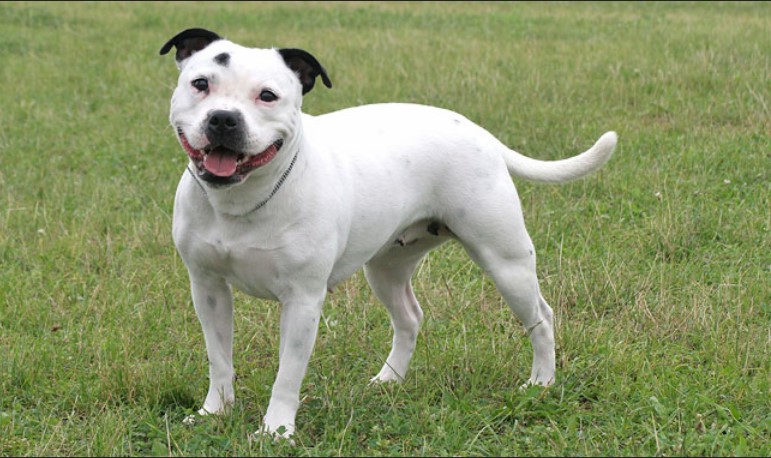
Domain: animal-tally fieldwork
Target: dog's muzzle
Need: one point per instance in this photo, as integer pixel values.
(219, 162)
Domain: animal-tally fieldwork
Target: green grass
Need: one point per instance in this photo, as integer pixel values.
(657, 267)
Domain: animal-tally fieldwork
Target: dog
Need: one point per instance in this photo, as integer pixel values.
(284, 206)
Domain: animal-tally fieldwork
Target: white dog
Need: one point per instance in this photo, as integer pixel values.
(285, 206)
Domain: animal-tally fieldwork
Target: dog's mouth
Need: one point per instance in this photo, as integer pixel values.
(221, 165)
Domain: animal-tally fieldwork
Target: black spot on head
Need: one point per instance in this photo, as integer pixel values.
(222, 59)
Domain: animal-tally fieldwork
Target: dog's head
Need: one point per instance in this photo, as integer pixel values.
(234, 107)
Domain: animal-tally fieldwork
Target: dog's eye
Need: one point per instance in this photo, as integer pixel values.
(201, 84)
(268, 96)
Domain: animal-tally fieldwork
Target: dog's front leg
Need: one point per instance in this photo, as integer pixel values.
(299, 323)
(213, 301)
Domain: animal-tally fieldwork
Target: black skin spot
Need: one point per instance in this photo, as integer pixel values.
(433, 228)
(211, 301)
(531, 252)
(222, 59)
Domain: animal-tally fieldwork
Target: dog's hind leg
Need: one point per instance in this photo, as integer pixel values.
(515, 278)
(389, 276)
(493, 233)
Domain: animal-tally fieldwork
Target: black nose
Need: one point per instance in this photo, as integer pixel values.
(223, 123)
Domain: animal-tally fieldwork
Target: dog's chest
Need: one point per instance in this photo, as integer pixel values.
(245, 261)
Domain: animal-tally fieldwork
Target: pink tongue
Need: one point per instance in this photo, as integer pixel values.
(222, 165)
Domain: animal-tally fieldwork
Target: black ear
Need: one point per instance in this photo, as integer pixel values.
(189, 41)
(306, 66)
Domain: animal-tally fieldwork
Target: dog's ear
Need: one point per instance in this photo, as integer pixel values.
(189, 42)
(306, 67)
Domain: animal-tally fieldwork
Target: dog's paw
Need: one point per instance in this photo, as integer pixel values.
(279, 434)
(386, 375)
(538, 382)
(378, 380)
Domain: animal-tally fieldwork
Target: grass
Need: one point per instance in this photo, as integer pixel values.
(657, 267)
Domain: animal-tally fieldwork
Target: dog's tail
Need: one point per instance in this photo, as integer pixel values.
(562, 170)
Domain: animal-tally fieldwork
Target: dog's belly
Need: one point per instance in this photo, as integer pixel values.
(406, 240)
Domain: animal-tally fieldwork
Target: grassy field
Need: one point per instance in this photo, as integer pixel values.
(657, 267)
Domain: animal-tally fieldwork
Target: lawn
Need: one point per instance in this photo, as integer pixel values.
(657, 267)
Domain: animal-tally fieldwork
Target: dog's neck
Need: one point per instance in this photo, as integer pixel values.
(259, 188)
